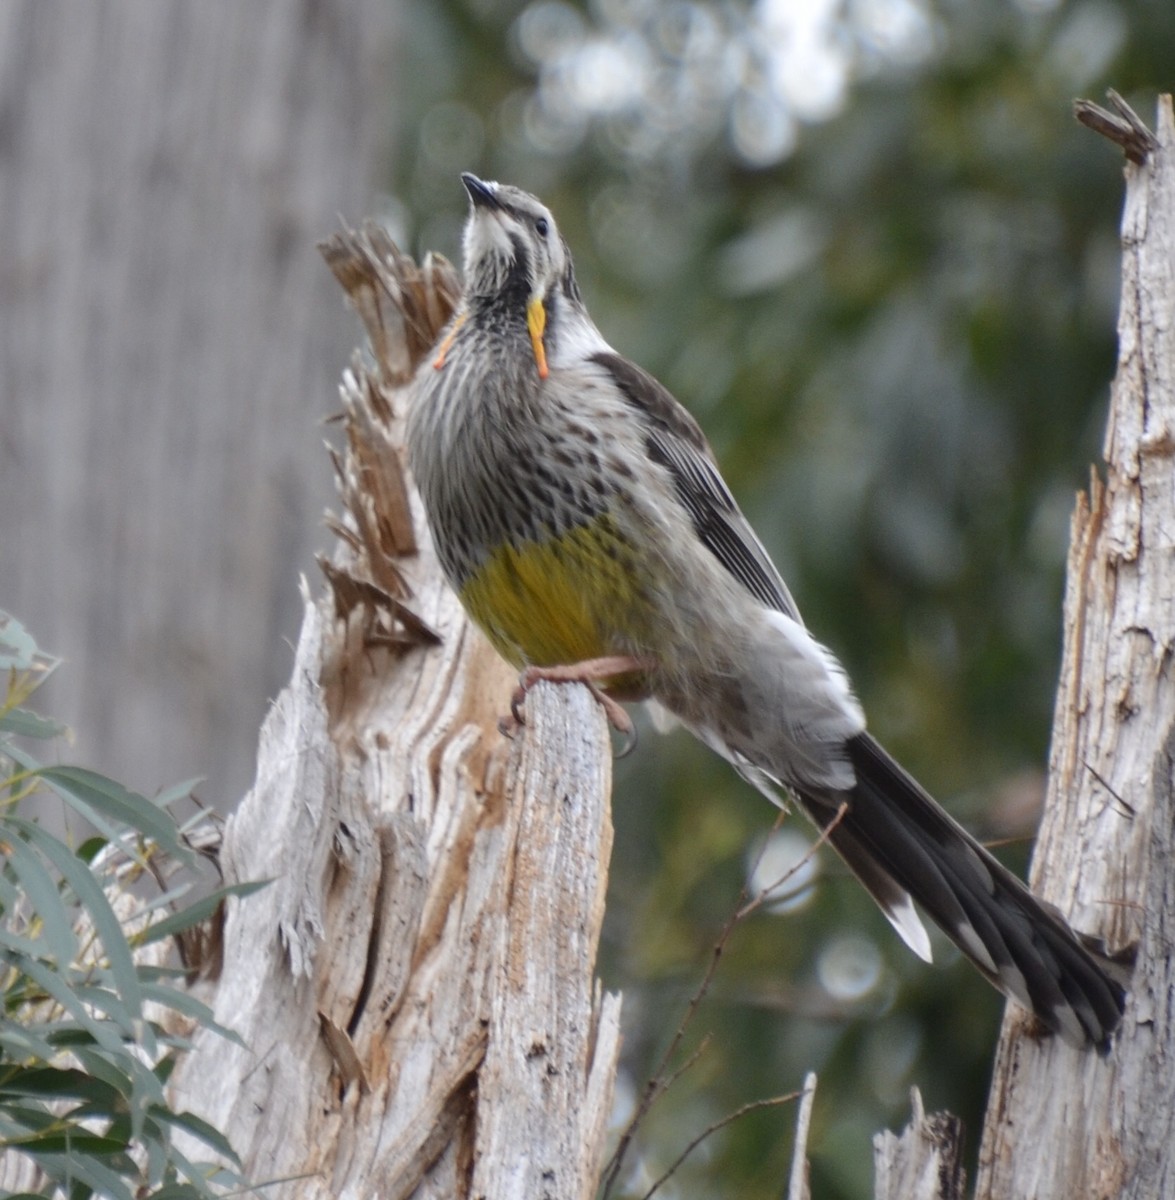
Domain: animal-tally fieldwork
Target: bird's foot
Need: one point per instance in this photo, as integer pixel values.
(588, 673)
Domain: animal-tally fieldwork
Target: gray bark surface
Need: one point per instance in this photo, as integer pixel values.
(168, 347)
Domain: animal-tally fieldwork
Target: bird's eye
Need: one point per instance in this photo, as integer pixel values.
(541, 227)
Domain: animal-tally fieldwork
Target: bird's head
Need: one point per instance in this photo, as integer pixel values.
(517, 264)
(513, 251)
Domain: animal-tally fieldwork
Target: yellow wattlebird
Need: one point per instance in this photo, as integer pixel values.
(580, 515)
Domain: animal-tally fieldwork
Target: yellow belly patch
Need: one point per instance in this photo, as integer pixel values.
(563, 600)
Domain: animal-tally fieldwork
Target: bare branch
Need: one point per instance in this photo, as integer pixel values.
(729, 1119)
(658, 1082)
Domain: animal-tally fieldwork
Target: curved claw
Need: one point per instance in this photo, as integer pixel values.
(629, 744)
(586, 673)
(617, 718)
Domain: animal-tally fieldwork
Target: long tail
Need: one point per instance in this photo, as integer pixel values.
(900, 843)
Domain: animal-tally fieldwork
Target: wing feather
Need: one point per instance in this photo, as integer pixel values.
(675, 441)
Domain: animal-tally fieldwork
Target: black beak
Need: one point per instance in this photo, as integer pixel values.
(483, 195)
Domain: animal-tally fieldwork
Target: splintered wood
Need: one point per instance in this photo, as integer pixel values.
(415, 991)
(1062, 1123)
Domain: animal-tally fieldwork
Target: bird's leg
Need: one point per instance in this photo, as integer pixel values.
(587, 673)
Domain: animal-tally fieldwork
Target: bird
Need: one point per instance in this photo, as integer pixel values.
(580, 515)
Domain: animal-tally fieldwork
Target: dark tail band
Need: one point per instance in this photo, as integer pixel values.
(898, 840)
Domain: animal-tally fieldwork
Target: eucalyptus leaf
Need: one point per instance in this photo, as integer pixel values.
(44, 895)
(90, 848)
(197, 1177)
(19, 944)
(33, 767)
(23, 722)
(114, 1074)
(187, 1004)
(18, 650)
(180, 1191)
(87, 889)
(17, 1121)
(111, 799)
(59, 989)
(57, 1083)
(80, 1161)
(17, 1042)
(198, 911)
(199, 1128)
(178, 791)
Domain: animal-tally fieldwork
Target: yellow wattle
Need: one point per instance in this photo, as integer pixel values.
(536, 324)
(447, 341)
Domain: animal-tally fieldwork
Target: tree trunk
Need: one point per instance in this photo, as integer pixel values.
(415, 991)
(1063, 1123)
(168, 347)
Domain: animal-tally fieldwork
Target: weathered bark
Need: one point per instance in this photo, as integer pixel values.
(925, 1162)
(1063, 1123)
(415, 991)
(1060, 1123)
(167, 349)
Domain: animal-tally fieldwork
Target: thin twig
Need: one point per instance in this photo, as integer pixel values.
(658, 1082)
(701, 1049)
(763, 893)
(730, 1118)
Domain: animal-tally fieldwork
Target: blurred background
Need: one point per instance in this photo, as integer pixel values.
(865, 242)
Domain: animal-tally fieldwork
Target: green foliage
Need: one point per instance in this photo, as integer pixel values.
(84, 1051)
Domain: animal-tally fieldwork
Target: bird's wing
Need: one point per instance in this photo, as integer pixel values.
(675, 441)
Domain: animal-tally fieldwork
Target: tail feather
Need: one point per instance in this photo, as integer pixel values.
(893, 899)
(898, 841)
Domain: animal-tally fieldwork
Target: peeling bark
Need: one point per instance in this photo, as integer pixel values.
(415, 991)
